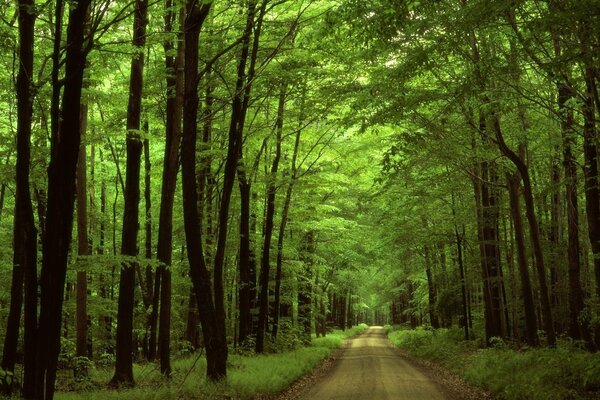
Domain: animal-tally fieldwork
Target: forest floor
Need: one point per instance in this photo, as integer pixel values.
(506, 370)
(249, 376)
(370, 367)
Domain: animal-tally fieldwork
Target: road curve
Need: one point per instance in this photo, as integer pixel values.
(371, 369)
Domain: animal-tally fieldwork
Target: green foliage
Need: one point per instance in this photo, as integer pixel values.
(566, 372)
(8, 382)
(248, 375)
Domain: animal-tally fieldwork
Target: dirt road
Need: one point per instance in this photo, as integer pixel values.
(371, 369)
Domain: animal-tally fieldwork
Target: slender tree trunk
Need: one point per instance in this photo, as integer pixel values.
(191, 329)
(556, 254)
(534, 231)
(461, 270)
(164, 253)
(61, 193)
(305, 286)
(431, 290)
(578, 328)
(25, 233)
(83, 248)
(124, 348)
(526, 292)
(268, 232)
(590, 170)
(284, 219)
(247, 277)
(212, 320)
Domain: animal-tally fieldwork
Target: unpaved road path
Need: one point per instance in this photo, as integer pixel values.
(370, 368)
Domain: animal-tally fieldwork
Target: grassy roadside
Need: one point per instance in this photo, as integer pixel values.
(566, 372)
(248, 375)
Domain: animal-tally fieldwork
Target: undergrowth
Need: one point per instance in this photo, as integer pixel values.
(248, 376)
(565, 372)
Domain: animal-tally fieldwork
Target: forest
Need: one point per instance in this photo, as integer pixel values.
(195, 192)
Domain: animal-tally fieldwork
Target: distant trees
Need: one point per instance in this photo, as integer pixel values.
(470, 97)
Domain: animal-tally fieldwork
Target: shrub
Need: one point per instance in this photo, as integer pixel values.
(566, 372)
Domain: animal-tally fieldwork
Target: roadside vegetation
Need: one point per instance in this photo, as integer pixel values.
(249, 376)
(507, 371)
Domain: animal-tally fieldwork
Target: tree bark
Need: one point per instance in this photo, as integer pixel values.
(59, 213)
(433, 320)
(263, 313)
(212, 320)
(25, 233)
(305, 286)
(124, 348)
(578, 328)
(164, 253)
(526, 292)
(534, 231)
(83, 248)
(284, 218)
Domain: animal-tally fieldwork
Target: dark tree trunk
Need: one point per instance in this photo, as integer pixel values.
(263, 313)
(534, 231)
(305, 286)
(247, 276)
(430, 289)
(526, 292)
(191, 329)
(25, 233)
(147, 285)
(83, 248)
(590, 170)
(212, 320)
(124, 348)
(556, 254)
(164, 254)
(578, 328)
(284, 219)
(489, 253)
(461, 269)
(59, 214)
(486, 195)
(240, 106)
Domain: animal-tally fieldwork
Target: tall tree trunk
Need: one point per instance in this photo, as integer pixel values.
(305, 286)
(526, 292)
(430, 290)
(124, 348)
(590, 171)
(247, 276)
(284, 219)
(164, 254)
(578, 328)
(487, 199)
(212, 320)
(263, 313)
(61, 193)
(534, 230)
(246, 264)
(25, 233)
(554, 237)
(83, 248)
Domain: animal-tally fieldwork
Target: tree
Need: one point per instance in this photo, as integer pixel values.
(59, 211)
(124, 349)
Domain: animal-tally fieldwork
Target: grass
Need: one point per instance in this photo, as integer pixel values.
(566, 372)
(248, 376)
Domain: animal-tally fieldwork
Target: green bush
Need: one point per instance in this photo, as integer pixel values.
(566, 372)
(248, 376)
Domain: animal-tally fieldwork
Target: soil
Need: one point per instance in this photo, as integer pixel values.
(368, 366)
